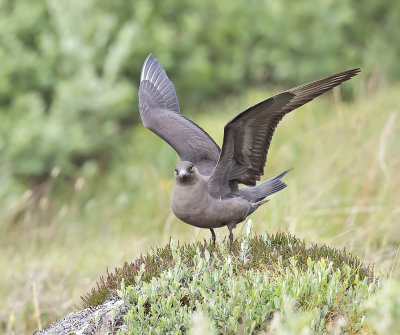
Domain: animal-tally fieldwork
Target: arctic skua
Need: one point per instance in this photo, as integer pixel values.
(206, 191)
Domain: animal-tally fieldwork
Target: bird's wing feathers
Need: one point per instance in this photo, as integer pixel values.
(159, 110)
(248, 135)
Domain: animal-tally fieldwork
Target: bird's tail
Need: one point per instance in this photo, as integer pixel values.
(258, 193)
(255, 205)
(273, 185)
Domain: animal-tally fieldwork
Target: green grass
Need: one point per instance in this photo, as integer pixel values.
(57, 240)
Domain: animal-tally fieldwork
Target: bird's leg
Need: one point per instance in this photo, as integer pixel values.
(213, 236)
(230, 237)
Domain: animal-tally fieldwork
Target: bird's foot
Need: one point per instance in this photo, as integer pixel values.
(213, 236)
(230, 240)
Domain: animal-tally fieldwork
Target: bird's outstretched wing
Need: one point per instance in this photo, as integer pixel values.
(159, 110)
(248, 135)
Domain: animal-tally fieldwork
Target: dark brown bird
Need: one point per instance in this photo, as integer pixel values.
(206, 192)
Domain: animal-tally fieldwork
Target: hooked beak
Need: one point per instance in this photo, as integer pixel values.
(182, 174)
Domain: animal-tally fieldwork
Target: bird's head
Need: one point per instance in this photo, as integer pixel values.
(186, 172)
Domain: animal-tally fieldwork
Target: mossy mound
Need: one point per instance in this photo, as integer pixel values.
(270, 283)
(267, 253)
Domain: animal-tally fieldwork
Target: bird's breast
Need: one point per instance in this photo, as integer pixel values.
(193, 205)
(188, 201)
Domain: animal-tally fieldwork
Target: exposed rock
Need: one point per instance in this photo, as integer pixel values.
(103, 319)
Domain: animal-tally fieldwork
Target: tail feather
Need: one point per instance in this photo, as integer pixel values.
(257, 193)
(255, 205)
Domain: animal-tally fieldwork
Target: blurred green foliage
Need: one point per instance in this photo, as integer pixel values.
(70, 70)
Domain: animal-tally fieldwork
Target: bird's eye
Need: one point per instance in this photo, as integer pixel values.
(191, 169)
(176, 171)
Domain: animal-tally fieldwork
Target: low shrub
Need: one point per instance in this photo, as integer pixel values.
(271, 283)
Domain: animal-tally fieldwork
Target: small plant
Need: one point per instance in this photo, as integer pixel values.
(236, 299)
(266, 252)
(268, 283)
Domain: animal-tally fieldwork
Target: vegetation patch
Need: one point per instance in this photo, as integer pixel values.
(266, 281)
(265, 253)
